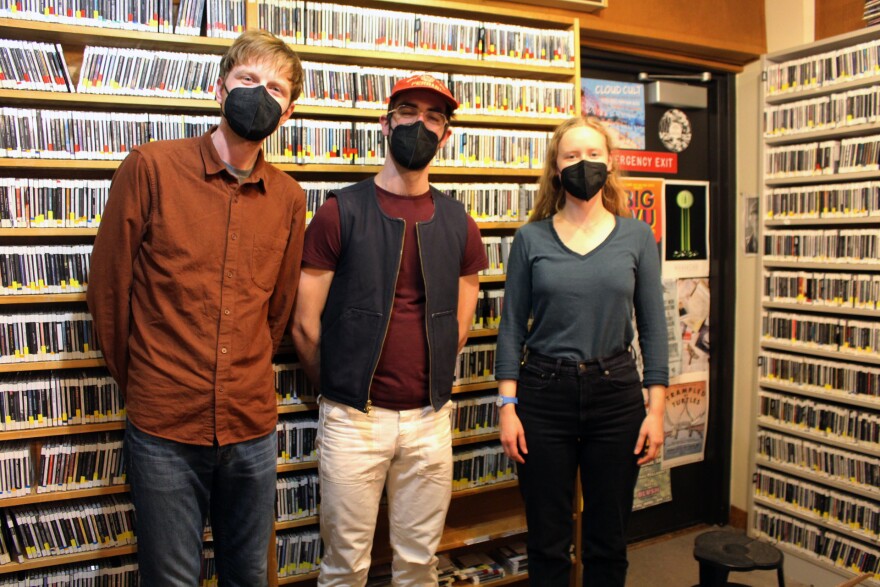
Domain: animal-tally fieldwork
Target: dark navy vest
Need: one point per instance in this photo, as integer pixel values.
(361, 296)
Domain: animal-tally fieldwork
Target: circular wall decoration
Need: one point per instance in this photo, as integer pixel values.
(675, 130)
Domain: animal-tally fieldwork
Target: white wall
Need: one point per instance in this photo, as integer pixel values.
(789, 23)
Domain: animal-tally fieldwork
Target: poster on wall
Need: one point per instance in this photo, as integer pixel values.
(750, 225)
(621, 108)
(693, 322)
(675, 130)
(653, 486)
(687, 417)
(673, 330)
(645, 196)
(686, 219)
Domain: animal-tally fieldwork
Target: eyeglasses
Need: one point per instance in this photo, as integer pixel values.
(410, 114)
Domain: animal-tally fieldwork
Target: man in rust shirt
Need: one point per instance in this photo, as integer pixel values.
(193, 277)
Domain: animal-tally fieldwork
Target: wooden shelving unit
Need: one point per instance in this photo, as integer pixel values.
(476, 515)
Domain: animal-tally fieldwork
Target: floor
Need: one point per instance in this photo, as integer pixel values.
(668, 561)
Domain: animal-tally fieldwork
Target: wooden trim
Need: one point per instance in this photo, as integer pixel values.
(45, 432)
(483, 332)
(475, 438)
(630, 48)
(738, 518)
(47, 232)
(53, 496)
(302, 466)
(837, 17)
(67, 34)
(289, 580)
(298, 168)
(499, 11)
(48, 365)
(576, 5)
(66, 559)
(474, 386)
(15, 299)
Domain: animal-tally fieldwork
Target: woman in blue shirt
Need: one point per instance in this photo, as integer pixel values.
(571, 397)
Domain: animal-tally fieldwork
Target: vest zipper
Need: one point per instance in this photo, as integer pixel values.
(369, 405)
(427, 317)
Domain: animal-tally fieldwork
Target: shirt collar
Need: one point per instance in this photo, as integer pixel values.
(214, 164)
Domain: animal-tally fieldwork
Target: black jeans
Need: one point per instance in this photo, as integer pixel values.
(585, 415)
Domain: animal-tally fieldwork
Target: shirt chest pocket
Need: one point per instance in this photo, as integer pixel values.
(266, 255)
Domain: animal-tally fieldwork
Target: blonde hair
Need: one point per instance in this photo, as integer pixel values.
(551, 194)
(257, 46)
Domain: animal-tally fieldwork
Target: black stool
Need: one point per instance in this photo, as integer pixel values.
(720, 552)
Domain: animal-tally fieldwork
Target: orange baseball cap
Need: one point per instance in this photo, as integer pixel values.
(424, 82)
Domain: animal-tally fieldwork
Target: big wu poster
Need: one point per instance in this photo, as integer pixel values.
(645, 198)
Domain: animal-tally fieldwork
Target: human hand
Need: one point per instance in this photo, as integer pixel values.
(513, 438)
(650, 438)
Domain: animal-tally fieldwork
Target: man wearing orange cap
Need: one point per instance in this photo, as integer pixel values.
(387, 295)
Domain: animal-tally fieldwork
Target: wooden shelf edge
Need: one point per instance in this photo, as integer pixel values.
(53, 496)
(64, 559)
(298, 523)
(49, 365)
(15, 299)
(297, 408)
(478, 332)
(210, 106)
(474, 438)
(493, 278)
(466, 387)
(50, 232)
(293, 467)
(484, 488)
(27, 433)
(297, 168)
(290, 579)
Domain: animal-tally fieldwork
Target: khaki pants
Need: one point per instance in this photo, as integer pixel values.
(409, 453)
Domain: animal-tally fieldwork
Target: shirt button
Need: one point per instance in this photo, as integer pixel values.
(607, 372)
(229, 274)
(226, 311)
(234, 237)
(223, 350)
(220, 388)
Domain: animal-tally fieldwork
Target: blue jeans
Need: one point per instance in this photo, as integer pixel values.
(174, 486)
(583, 416)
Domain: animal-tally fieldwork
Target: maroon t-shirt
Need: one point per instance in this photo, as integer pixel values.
(401, 378)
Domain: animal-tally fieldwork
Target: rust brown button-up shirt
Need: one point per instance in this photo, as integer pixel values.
(191, 287)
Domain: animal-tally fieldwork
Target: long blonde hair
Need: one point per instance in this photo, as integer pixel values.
(551, 194)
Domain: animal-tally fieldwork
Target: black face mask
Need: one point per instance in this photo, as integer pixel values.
(584, 179)
(413, 145)
(251, 112)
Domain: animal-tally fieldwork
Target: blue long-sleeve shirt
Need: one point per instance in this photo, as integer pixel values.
(582, 305)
